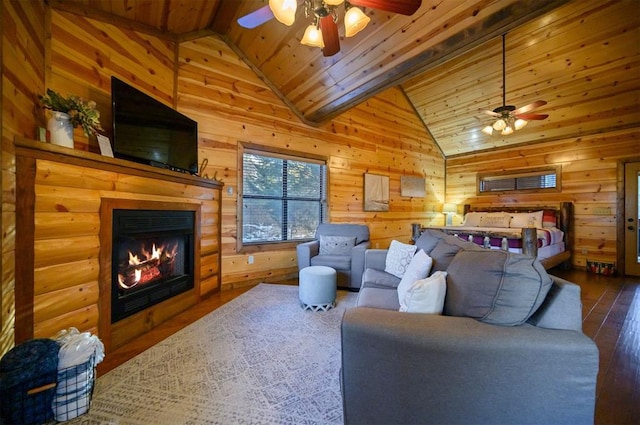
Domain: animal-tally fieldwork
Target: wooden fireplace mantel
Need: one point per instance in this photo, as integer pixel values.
(59, 197)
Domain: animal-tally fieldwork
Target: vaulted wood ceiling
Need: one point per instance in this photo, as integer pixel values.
(581, 56)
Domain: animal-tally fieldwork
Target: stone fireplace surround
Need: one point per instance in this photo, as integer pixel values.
(64, 251)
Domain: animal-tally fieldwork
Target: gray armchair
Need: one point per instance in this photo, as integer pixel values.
(348, 263)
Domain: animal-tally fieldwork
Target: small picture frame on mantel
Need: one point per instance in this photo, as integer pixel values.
(105, 145)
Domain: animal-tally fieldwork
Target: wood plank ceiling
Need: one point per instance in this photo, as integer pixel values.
(581, 56)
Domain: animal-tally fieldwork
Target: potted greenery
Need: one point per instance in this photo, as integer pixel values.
(68, 113)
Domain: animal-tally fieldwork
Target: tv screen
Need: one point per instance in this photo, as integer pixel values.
(147, 131)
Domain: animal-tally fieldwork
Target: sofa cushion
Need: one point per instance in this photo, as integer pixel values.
(446, 249)
(360, 231)
(336, 245)
(426, 295)
(338, 262)
(419, 268)
(495, 287)
(429, 239)
(398, 258)
(379, 279)
(383, 298)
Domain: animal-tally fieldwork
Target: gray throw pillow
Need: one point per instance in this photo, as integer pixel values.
(336, 245)
(495, 287)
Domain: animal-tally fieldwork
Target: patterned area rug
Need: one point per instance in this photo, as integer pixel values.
(259, 359)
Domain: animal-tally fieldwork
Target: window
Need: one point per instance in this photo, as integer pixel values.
(537, 180)
(283, 197)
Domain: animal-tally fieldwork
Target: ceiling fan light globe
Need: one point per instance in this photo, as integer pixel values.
(355, 21)
(507, 130)
(520, 123)
(488, 130)
(499, 125)
(312, 37)
(284, 10)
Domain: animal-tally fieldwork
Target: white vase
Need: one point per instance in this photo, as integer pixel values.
(60, 129)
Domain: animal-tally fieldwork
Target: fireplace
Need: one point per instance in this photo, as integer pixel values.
(152, 258)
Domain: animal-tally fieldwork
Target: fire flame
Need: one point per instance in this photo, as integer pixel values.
(158, 254)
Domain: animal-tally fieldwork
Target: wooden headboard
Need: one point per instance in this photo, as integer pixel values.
(564, 216)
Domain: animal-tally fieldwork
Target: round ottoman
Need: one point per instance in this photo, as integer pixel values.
(317, 288)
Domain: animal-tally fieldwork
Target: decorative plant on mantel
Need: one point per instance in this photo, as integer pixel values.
(81, 113)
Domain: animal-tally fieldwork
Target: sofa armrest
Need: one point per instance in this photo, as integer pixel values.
(305, 251)
(357, 263)
(416, 368)
(375, 259)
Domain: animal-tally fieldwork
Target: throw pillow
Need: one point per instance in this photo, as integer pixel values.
(427, 295)
(419, 268)
(533, 219)
(497, 287)
(336, 245)
(472, 219)
(495, 220)
(398, 258)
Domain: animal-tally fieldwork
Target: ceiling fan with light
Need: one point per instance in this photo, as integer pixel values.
(323, 30)
(510, 118)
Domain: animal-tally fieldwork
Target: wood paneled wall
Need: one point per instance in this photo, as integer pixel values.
(589, 180)
(61, 199)
(209, 82)
(23, 66)
(382, 136)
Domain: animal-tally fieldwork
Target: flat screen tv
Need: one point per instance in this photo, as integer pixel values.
(147, 131)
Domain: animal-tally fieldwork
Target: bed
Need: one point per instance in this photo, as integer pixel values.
(542, 232)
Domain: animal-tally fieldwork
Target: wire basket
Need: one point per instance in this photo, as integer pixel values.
(74, 390)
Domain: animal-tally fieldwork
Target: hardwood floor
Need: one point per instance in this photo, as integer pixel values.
(611, 317)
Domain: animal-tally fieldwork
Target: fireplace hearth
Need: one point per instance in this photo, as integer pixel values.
(152, 258)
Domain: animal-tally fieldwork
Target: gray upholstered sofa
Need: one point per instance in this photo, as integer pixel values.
(345, 246)
(463, 367)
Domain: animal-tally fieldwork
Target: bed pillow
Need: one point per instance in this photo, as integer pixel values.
(532, 219)
(495, 220)
(506, 290)
(472, 219)
(426, 295)
(549, 218)
(336, 245)
(398, 258)
(418, 268)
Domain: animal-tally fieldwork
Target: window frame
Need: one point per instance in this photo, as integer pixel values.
(247, 147)
(528, 172)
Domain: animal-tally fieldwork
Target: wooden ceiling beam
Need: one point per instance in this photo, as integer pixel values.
(492, 26)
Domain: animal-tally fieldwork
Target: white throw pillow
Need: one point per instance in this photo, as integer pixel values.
(419, 268)
(427, 295)
(472, 219)
(398, 258)
(534, 219)
(495, 220)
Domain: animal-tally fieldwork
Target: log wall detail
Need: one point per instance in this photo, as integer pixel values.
(61, 240)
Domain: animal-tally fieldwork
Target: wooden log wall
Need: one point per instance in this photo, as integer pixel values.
(22, 64)
(60, 195)
(382, 136)
(590, 167)
(232, 105)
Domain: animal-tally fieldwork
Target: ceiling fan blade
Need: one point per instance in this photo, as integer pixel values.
(403, 7)
(488, 112)
(256, 18)
(529, 107)
(330, 36)
(532, 117)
